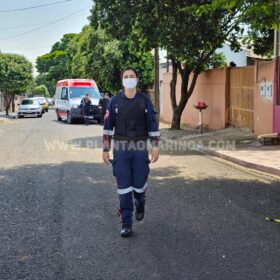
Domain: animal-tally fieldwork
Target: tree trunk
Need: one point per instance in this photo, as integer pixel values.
(13, 104)
(7, 101)
(186, 92)
(175, 122)
(156, 83)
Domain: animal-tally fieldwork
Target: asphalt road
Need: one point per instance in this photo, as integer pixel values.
(205, 218)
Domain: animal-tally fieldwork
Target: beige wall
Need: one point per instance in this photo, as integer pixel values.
(263, 105)
(211, 89)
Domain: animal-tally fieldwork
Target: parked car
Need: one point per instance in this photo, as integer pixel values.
(28, 107)
(68, 97)
(50, 101)
(43, 101)
(40, 103)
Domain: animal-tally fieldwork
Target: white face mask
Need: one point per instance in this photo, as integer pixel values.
(129, 83)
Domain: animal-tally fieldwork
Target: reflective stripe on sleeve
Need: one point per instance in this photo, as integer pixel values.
(154, 133)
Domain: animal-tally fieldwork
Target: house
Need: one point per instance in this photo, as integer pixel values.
(243, 58)
(245, 97)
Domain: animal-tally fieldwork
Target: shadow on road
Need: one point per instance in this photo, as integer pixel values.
(59, 222)
(76, 122)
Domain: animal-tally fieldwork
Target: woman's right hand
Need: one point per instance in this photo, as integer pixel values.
(106, 157)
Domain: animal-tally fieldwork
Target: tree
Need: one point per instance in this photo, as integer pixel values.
(43, 79)
(124, 20)
(40, 91)
(54, 65)
(95, 54)
(190, 31)
(15, 76)
(262, 17)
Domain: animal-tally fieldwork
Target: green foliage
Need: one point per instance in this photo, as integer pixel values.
(260, 19)
(54, 66)
(218, 60)
(15, 73)
(63, 44)
(261, 41)
(43, 79)
(190, 31)
(40, 91)
(96, 55)
(15, 76)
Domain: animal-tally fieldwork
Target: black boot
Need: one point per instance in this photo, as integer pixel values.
(139, 211)
(126, 230)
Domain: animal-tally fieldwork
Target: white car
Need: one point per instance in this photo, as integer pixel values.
(30, 107)
(43, 103)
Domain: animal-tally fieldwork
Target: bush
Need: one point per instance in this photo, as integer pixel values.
(40, 91)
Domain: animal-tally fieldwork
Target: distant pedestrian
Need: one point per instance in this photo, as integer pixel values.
(131, 121)
(104, 102)
(86, 108)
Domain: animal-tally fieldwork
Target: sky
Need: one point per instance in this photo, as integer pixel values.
(51, 21)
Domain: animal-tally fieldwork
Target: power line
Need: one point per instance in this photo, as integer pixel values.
(36, 24)
(44, 26)
(24, 26)
(34, 7)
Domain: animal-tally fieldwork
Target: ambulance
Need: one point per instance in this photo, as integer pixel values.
(68, 96)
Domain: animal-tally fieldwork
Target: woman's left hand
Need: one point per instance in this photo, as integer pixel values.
(155, 154)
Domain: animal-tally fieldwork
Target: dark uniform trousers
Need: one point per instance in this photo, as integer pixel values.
(131, 169)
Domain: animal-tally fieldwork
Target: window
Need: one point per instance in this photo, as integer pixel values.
(64, 94)
(79, 92)
(27, 102)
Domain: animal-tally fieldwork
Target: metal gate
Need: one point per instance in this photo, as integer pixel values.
(241, 85)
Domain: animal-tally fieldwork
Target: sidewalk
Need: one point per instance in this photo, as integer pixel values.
(237, 145)
(5, 119)
(10, 116)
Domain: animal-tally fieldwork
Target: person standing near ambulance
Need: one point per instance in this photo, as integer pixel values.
(130, 120)
(86, 107)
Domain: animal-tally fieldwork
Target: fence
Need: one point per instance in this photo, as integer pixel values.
(241, 87)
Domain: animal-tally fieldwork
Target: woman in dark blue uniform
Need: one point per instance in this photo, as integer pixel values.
(130, 120)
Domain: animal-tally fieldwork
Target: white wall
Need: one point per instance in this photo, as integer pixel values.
(239, 58)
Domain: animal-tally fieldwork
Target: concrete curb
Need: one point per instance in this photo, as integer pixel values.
(258, 167)
(10, 117)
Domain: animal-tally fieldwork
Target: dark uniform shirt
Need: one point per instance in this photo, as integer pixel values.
(86, 105)
(110, 118)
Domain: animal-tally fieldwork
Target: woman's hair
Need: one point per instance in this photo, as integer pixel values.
(130, 68)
